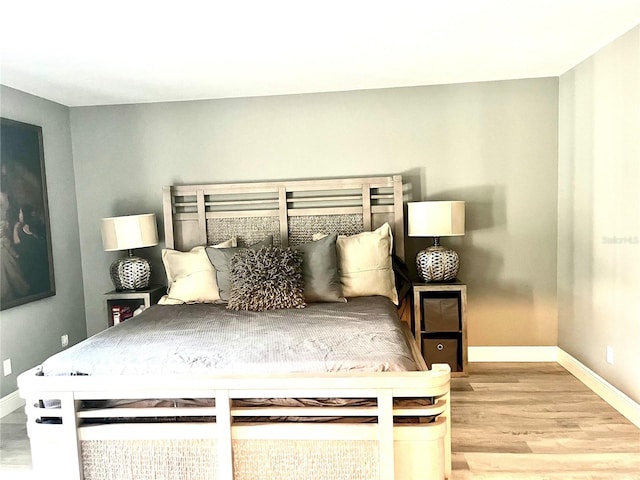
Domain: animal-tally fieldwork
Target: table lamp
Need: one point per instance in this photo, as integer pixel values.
(436, 219)
(126, 233)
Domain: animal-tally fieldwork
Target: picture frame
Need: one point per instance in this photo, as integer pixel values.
(26, 271)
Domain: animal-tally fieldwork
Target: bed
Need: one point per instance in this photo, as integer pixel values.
(236, 384)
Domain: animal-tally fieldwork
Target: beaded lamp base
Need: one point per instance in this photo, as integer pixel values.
(131, 273)
(437, 264)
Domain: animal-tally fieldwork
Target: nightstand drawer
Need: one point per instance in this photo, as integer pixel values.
(440, 325)
(441, 350)
(441, 314)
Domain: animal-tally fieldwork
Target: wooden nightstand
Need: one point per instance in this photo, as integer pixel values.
(440, 325)
(131, 300)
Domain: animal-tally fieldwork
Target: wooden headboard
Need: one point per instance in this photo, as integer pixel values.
(291, 211)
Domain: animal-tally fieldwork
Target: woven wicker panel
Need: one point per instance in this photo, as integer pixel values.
(247, 230)
(305, 460)
(301, 229)
(149, 459)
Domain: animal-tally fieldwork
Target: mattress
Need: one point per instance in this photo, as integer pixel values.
(363, 334)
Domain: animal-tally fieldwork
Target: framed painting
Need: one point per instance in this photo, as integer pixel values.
(27, 261)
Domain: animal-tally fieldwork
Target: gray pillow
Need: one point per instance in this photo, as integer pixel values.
(320, 270)
(266, 279)
(220, 258)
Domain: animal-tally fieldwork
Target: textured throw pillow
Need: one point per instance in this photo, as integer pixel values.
(220, 258)
(266, 279)
(190, 277)
(365, 264)
(320, 270)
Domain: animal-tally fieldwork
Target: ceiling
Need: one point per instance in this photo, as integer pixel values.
(112, 52)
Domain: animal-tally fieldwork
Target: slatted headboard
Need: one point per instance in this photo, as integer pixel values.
(291, 211)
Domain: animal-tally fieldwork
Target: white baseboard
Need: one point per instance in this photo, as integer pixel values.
(513, 354)
(610, 394)
(10, 403)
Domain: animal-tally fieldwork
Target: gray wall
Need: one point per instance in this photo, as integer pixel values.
(493, 145)
(30, 333)
(599, 213)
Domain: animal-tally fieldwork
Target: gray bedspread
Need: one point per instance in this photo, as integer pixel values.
(363, 334)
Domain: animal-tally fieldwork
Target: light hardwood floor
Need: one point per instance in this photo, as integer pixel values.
(15, 455)
(510, 421)
(537, 421)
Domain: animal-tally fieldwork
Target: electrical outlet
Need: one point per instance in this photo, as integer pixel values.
(610, 358)
(6, 367)
(64, 340)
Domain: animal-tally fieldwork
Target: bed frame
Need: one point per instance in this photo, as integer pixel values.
(224, 447)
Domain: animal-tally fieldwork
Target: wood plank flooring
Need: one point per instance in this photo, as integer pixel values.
(15, 454)
(511, 421)
(536, 421)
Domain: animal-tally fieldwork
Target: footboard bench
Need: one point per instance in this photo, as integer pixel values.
(398, 441)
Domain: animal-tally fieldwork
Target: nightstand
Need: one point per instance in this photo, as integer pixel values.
(119, 303)
(439, 324)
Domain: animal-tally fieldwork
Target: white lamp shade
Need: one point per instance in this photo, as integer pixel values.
(129, 232)
(435, 219)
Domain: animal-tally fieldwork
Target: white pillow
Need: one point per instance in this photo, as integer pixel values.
(232, 242)
(365, 264)
(190, 276)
